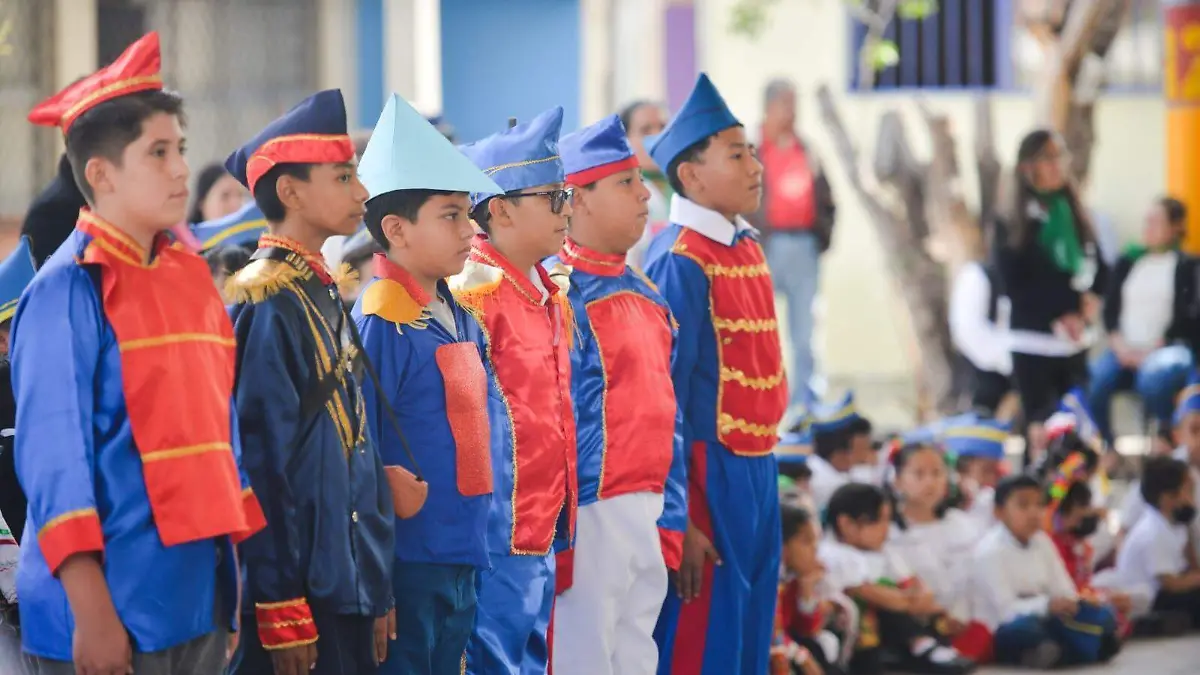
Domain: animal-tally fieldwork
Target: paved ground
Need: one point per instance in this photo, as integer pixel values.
(1178, 656)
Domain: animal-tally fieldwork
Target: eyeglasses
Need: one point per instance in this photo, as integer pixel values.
(558, 198)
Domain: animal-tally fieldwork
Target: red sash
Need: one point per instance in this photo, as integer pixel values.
(177, 361)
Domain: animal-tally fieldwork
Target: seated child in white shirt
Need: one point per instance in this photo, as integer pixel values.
(1157, 556)
(837, 431)
(935, 542)
(896, 607)
(977, 448)
(1021, 589)
(802, 642)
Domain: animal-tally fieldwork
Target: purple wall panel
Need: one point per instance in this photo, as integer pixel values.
(681, 52)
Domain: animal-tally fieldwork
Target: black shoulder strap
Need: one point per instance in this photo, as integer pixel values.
(317, 396)
(993, 279)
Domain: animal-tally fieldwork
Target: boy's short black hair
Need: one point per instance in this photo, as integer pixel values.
(826, 444)
(483, 217)
(1162, 476)
(227, 259)
(110, 127)
(1010, 485)
(690, 154)
(860, 426)
(267, 197)
(795, 470)
(793, 518)
(1175, 210)
(403, 203)
(860, 502)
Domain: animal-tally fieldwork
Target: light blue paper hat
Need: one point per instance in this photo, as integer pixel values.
(702, 115)
(16, 272)
(522, 157)
(1188, 400)
(832, 417)
(406, 152)
(240, 228)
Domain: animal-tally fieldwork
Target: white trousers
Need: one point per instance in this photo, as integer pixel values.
(604, 623)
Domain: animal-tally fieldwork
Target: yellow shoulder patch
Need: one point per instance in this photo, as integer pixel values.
(642, 275)
(476, 282)
(260, 280)
(390, 301)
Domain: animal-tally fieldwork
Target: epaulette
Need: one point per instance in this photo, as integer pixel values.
(642, 275)
(390, 301)
(476, 282)
(260, 280)
(560, 274)
(346, 278)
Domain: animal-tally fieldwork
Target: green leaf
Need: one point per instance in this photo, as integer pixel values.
(749, 18)
(915, 10)
(882, 54)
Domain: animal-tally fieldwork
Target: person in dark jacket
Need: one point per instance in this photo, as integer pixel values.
(52, 216)
(1051, 273)
(1147, 314)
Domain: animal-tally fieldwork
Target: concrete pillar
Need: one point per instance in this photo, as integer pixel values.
(337, 64)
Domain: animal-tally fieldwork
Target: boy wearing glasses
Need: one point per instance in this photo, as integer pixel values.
(729, 382)
(529, 329)
(632, 511)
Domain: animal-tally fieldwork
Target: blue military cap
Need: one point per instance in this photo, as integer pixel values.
(702, 115)
(1188, 400)
(313, 132)
(1073, 408)
(407, 153)
(835, 416)
(596, 152)
(240, 228)
(522, 157)
(975, 437)
(16, 272)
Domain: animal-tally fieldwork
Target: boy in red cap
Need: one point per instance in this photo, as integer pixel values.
(128, 563)
(632, 488)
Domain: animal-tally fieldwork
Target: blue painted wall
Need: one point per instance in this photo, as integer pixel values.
(368, 33)
(509, 58)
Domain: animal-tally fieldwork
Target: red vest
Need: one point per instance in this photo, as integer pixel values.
(752, 388)
(790, 203)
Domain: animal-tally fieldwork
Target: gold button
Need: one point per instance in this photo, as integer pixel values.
(354, 516)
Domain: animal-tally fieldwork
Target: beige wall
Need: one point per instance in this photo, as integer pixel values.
(861, 315)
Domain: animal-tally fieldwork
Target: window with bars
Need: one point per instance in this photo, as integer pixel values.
(981, 44)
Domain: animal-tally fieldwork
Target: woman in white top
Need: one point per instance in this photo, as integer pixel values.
(1147, 314)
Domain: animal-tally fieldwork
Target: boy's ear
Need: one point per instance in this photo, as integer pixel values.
(97, 173)
(392, 227)
(498, 210)
(287, 189)
(688, 177)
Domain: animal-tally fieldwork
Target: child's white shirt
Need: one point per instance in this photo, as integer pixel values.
(1008, 579)
(10, 555)
(850, 567)
(1154, 547)
(939, 553)
(1133, 507)
(825, 480)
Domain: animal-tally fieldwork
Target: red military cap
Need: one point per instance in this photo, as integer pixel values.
(137, 69)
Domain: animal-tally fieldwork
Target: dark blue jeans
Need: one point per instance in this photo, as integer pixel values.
(1088, 637)
(435, 612)
(1160, 377)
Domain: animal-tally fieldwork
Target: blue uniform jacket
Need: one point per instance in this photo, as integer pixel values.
(417, 359)
(329, 534)
(76, 453)
(628, 425)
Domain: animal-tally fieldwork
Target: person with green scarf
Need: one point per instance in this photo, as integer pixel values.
(1148, 317)
(1051, 272)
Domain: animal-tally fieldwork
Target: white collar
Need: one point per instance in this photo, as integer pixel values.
(705, 221)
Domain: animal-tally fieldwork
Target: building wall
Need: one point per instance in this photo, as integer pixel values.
(509, 59)
(861, 315)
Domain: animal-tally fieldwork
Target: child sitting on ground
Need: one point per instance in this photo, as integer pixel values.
(1021, 590)
(838, 438)
(896, 607)
(802, 644)
(1158, 559)
(975, 447)
(935, 542)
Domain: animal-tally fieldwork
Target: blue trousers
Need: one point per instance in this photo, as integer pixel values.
(1160, 377)
(435, 612)
(515, 599)
(728, 629)
(1088, 637)
(794, 259)
(345, 646)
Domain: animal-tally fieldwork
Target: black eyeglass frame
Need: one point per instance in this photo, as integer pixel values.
(558, 198)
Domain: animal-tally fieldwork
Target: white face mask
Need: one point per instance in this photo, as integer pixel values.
(864, 473)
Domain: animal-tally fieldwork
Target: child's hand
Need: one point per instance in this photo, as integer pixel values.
(924, 603)
(1064, 607)
(101, 647)
(1121, 602)
(697, 550)
(385, 629)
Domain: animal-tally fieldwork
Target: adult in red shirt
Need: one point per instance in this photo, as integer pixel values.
(796, 219)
